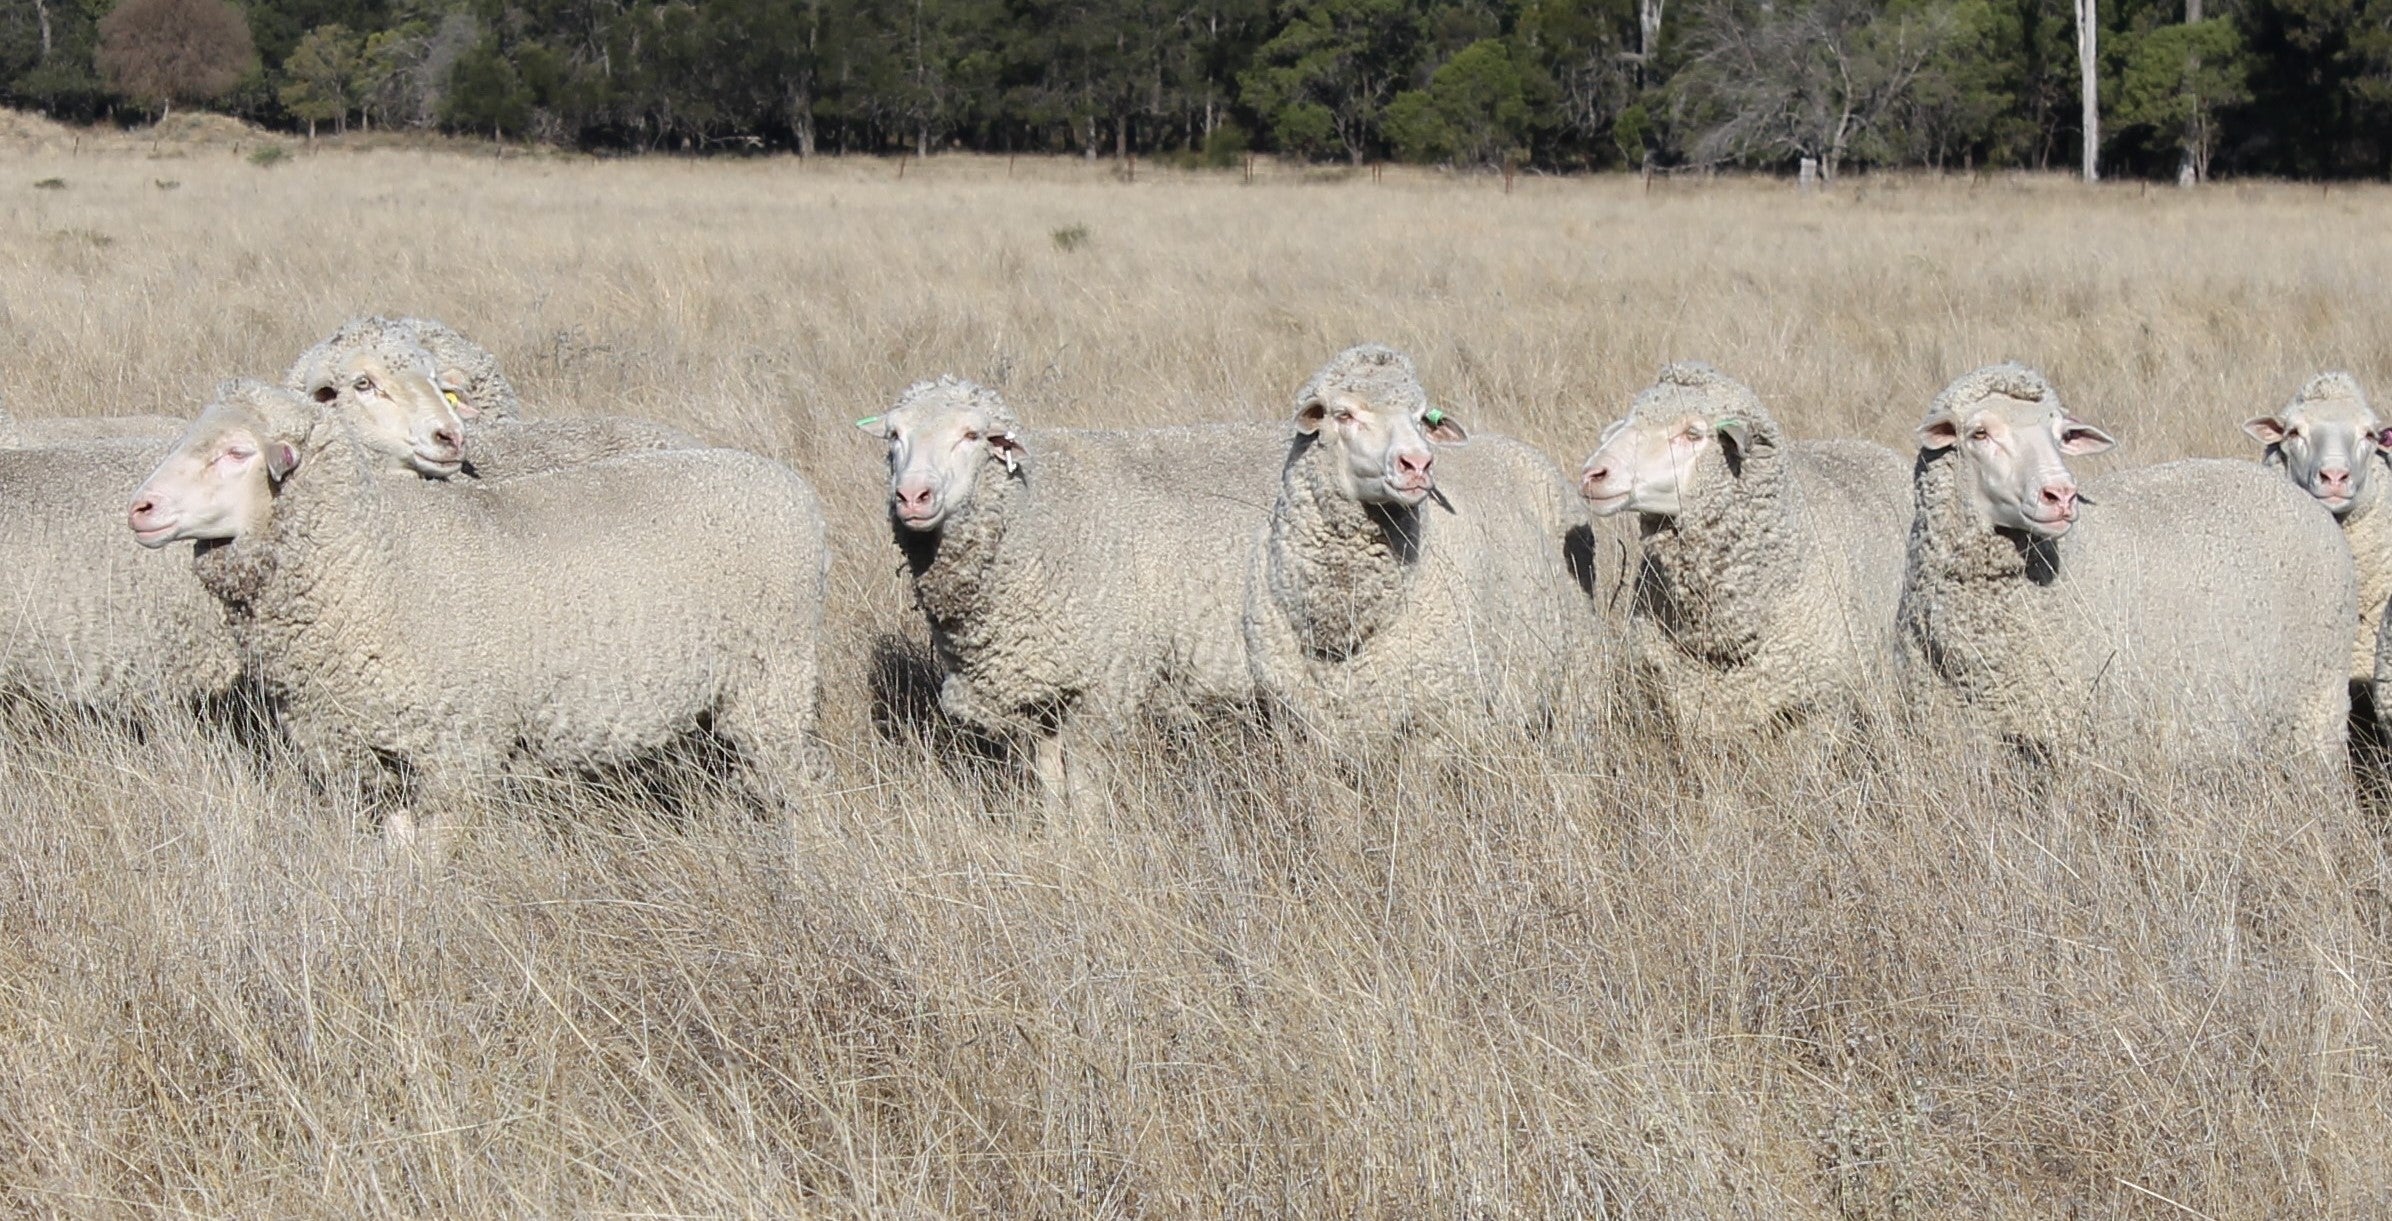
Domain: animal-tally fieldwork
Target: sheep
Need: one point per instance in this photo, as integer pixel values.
(1073, 580)
(2329, 442)
(89, 622)
(615, 609)
(2196, 605)
(67, 430)
(373, 366)
(1771, 569)
(1402, 589)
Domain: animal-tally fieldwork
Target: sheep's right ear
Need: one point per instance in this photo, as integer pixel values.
(875, 424)
(1443, 428)
(1008, 447)
(2265, 429)
(1309, 417)
(2078, 438)
(453, 383)
(282, 458)
(1939, 432)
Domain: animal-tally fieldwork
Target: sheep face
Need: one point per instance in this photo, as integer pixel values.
(2327, 439)
(1655, 464)
(217, 481)
(1378, 453)
(2014, 454)
(398, 404)
(938, 447)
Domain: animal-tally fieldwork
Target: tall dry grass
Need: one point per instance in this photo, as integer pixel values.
(1535, 977)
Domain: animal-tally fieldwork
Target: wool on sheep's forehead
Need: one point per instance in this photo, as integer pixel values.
(389, 338)
(2330, 388)
(1373, 372)
(1695, 388)
(2008, 380)
(949, 393)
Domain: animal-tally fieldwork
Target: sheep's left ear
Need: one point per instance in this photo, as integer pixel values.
(876, 425)
(282, 458)
(2383, 437)
(2078, 438)
(1442, 428)
(1008, 447)
(1735, 430)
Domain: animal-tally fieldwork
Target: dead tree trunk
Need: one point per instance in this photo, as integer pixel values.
(2088, 32)
(2190, 170)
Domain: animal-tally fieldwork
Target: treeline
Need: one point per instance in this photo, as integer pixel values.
(2284, 87)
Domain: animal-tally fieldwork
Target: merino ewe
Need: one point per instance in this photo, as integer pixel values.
(374, 368)
(2198, 605)
(1072, 578)
(615, 609)
(2330, 443)
(1772, 569)
(92, 622)
(1402, 588)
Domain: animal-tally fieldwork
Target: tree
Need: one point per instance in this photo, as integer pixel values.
(324, 73)
(1323, 82)
(2088, 68)
(159, 52)
(2176, 80)
(1829, 79)
(1475, 111)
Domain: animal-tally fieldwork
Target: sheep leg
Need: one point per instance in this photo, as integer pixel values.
(1070, 775)
(770, 723)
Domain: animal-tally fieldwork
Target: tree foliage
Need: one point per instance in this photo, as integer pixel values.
(160, 52)
(2300, 87)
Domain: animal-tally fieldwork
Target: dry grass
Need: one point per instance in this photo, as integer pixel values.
(1544, 978)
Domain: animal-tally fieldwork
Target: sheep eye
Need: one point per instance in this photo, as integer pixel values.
(971, 434)
(1345, 417)
(364, 383)
(1979, 433)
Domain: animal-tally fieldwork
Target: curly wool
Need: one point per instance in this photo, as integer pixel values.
(392, 340)
(1772, 593)
(2193, 604)
(93, 620)
(616, 609)
(1368, 622)
(487, 389)
(1098, 581)
(69, 430)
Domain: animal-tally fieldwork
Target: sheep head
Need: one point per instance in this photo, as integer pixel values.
(1684, 438)
(218, 480)
(2326, 439)
(374, 372)
(1377, 430)
(2012, 436)
(942, 435)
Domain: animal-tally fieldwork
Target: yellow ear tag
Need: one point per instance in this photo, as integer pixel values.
(451, 396)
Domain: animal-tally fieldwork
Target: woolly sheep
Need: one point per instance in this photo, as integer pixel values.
(414, 359)
(2199, 605)
(1403, 588)
(616, 608)
(1771, 569)
(88, 620)
(1073, 579)
(2329, 442)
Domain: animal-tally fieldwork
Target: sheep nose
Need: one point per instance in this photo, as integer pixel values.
(913, 496)
(2334, 479)
(2059, 497)
(1415, 465)
(142, 510)
(1593, 476)
(447, 437)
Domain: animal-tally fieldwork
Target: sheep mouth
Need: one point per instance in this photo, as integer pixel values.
(2050, 527)
(436, 466)
(1603, 503)
(922, 523)
(2333, 501)
(155, 537)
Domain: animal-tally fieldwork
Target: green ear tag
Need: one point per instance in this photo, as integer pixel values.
(1729, 422)
(867, 421)
(1434, 417)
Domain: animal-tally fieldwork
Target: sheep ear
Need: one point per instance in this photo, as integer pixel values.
(2265, 429)
(453, 384)
(1734, 430)
(876, 425)
(1008, 447)
(1939, 433)
(1309, 417)
(2383, 437)
(2077, 439)
(1442, 428)
(282, 458)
